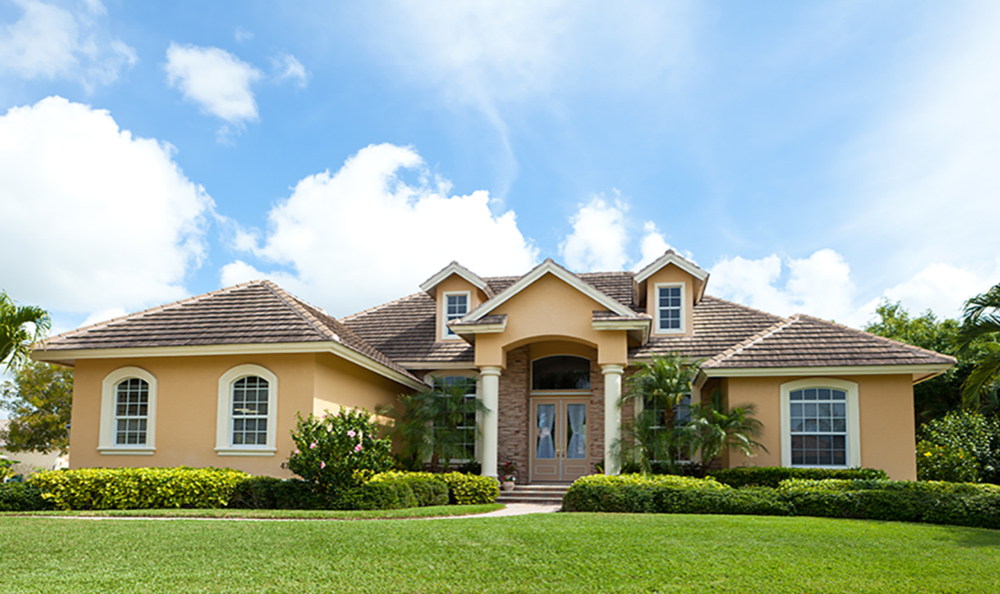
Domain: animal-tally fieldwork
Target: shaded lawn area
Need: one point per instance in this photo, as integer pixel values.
(548, 552)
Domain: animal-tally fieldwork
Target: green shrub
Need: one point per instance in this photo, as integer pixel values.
(21, 497)
(339, 452)
(266, 492)
(633, 493)
(772, 476)
(392, 494)
(961, 446)
(138, 488)
(463, 489)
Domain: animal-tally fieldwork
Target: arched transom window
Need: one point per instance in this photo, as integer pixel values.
(560, 372)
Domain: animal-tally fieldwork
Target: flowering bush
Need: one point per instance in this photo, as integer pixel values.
(338, 452)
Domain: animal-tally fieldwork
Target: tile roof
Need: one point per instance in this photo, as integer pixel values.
(257, 312)
(804, 341)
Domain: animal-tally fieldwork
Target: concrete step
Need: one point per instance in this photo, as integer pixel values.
(541, 494)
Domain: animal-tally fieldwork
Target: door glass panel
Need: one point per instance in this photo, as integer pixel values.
(576, 431)
(545, 446)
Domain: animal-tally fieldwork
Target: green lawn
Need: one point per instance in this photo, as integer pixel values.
(551, 552)
(280, 514)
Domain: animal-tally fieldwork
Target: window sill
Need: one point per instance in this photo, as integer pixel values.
(118, 451)
(246, 451)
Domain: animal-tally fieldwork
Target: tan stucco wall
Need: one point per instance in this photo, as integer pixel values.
(454, 284)
(550, 309)
(187, 406)
(886, 418)
(672, 274)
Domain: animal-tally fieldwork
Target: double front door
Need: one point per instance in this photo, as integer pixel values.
(559, 451)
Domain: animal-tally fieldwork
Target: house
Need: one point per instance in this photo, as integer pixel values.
(217, 379)
(28, 462)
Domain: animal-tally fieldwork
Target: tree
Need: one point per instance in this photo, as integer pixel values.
(712, 429)
(434, 424)
(20, 326)
(651, 435)
(981, 325)
(937, 396)
(39, 400)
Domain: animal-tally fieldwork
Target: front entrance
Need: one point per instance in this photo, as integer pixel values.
(559, 451)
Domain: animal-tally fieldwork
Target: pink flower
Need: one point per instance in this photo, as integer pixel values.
(357, 448)
(312, 446)
(297, 452)
(351, 433)
(322, 465)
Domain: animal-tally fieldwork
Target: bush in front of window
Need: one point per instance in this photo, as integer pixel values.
(336, 453)
(137, 488)
(21, 497)
(772, 476)
(961, 446)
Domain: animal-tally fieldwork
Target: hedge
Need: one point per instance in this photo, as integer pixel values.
(961, 504)
(771, 476)
(138, 488)
(21, 497)
(267, 492)
(463, 489)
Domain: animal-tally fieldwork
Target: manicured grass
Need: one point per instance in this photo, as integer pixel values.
(548, 552)
(278, 514)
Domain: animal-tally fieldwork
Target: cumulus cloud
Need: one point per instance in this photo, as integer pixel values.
(53, 43)
(93, 217)
(214, 79)
(598, 240)
(287, 67)
(819, 285)
(652, 246)
(371, 232)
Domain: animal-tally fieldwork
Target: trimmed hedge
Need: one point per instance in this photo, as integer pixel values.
(267, 492)
(463, 489)
(138, 488)
(961, 504)
(772, 476)
(21, 497)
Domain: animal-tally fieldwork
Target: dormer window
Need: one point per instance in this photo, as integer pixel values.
(669, 308)
(456, 305)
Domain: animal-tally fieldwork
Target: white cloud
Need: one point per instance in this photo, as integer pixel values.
(52, 42)
(216, 80)
(598, 240)
(928, 172)
(242, 35)
(819, 285)
(365, 235)
(287, 67)
(93, 217)
(652, 246)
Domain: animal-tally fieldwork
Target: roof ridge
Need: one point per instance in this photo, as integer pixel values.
(150, 310)
(301, 307)
(778, 326)
(381, 305)
(877, 337)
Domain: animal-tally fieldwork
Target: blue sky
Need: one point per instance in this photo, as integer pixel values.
(814, 157)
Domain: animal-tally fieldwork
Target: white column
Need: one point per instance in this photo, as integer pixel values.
(490, 432)
(612, 414)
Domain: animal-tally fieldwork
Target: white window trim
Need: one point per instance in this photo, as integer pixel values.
(853, 419)
(109, 395)
(656, 307)
(224, 419)
(444, 312)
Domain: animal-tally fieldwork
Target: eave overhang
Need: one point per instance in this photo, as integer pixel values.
(477, 281)
(920, 373)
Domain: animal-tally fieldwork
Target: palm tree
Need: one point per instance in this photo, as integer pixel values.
(981, 323)
(712, 429)
(20, 326)
(650, 436)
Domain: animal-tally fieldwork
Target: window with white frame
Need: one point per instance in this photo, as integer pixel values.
(128, 413)
(131, 411)
(456, 305)
(669, 308)
(247, 414)
(681, 415)
(820, 425)
(466, 430)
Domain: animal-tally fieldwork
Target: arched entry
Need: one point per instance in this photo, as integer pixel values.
(560, 397)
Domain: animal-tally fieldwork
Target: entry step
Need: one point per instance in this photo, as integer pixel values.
(541, 494)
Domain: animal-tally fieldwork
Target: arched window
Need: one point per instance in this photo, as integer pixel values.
(819, 423)
(128, 412)
(247, 414)
(560, 372)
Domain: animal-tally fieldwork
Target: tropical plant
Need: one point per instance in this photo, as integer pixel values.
(435, 424)
(712, 429)
(20, 326)
(981, 320)
(651, 438)
(962, 446)
(39, 400)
